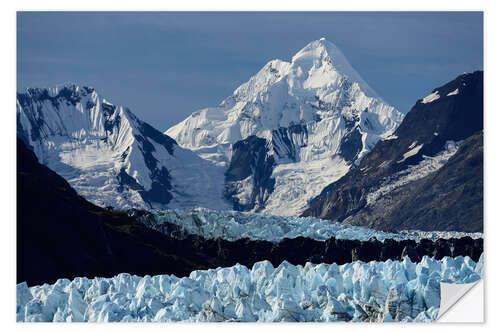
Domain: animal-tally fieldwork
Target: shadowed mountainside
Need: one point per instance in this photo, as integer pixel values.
(393, 189)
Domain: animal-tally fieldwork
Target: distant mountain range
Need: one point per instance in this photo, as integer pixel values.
(302, 137)
(269, 147)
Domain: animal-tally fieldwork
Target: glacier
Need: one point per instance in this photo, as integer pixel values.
(370, 292)
(233, 225)
(426, 166)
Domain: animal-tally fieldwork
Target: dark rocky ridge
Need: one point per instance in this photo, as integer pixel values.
(450, 199)
(301, 250)
(250, 158)
(351, 145)
(287, 141)
(61, 235)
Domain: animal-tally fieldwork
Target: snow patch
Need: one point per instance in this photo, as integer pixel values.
(297, 183)
(392, 137)
(431, 98)
(411, 152)
(454, 92)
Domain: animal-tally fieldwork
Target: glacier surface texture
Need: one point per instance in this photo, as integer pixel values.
(232, 225)
(374, 291)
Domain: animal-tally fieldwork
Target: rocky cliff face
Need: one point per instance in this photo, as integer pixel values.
(428, 175)
(248, 179)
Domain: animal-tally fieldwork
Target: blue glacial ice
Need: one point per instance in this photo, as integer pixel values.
(374, 291)
(231, 225)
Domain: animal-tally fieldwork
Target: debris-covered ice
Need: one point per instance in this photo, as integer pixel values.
(374, 291)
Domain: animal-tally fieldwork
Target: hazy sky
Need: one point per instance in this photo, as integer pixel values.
(164, 66)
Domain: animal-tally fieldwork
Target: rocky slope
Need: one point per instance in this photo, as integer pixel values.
(428, 175)
(293, 127)
(60, 234)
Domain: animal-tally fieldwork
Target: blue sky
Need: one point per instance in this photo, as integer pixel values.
(164, 66)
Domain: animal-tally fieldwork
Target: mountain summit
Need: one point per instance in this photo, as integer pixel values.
(318, 82)
(321, 52)
(293, 127)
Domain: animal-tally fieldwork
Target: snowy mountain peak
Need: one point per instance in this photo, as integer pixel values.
(318, 83)
(68, 90)
(327, 56)
(63, 90)
(108, 154)
(293, 125)
(270, 146)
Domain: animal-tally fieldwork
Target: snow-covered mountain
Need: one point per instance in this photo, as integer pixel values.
(292, 128)
(271, 146)
(110, 156)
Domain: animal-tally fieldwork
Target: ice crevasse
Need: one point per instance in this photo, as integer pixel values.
(358, 291)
